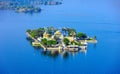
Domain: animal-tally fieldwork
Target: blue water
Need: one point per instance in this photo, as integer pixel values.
(100, 18)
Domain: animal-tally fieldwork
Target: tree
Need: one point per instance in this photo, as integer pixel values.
(66, 41)
(28, 31)
(49, 32)
(71, 32)
(49, 43)
(40, 31)
(54, 42)
(34, 33)
(44, 41)
(81, 35)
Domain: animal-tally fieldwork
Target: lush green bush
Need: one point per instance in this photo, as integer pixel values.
(51, 42)
(44, 41)
(36, 33)
(66, 41)
(81, 35)
(54, 42)
(28, 31)
(48, 42)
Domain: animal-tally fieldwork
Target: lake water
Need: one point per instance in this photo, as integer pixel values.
(100, 18)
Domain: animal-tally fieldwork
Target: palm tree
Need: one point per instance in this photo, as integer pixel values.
(40, 31)
(65, 30)
(72, 32)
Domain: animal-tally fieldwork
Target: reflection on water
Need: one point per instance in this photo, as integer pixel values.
(29, 39)
(54, 54)
(65, 55)
(94, 45)
(50, 54)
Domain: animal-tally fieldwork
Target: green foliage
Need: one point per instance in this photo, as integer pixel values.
(44, 41)
(36, 33)
(66, 41)
(50, 30)
(54, 42)
(71, 32)
(28, 31)
(75, 43)
(40, 32)
(48, 42)
(40, 29)
(51, 42)
(81, 35)
(33, 33)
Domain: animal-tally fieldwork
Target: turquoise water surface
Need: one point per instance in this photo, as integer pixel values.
(100, 18)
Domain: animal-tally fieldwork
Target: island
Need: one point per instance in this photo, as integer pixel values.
(64, 39)
(28, 9)
(30, 6)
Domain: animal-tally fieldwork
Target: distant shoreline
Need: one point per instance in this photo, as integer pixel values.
(26, 7)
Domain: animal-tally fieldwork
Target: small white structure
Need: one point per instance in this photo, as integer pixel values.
(72, 48)
(39, 39)
(84, 43)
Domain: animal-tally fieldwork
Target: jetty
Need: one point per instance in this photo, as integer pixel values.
(36, 42)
